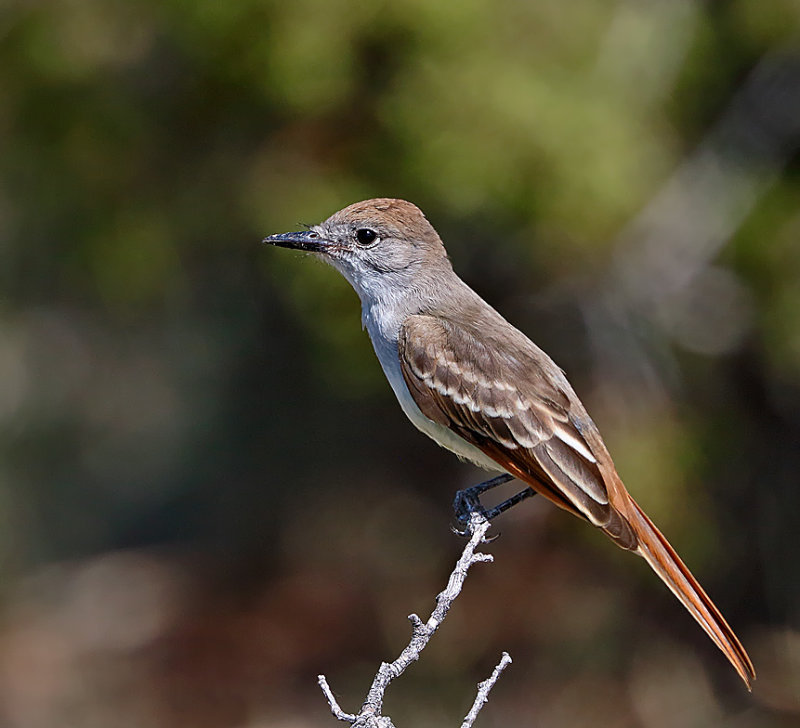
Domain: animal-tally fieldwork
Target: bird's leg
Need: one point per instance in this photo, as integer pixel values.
(468, 501)
(509, 503)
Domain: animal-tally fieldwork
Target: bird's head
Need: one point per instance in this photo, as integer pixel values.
(376, 244)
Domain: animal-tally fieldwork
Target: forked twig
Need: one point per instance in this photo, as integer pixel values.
(370, 714)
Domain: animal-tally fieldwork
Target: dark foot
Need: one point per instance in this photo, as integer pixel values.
(468, 501)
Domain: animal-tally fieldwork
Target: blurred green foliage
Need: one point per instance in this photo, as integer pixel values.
(165, 380)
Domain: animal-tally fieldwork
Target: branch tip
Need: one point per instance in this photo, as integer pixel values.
(337, 711)
(483, 690)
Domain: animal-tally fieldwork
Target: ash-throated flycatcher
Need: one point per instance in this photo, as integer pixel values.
(479, 387)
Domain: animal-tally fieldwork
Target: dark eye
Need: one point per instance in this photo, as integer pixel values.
(365, 236)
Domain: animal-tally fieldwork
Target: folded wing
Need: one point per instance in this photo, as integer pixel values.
(511, 408)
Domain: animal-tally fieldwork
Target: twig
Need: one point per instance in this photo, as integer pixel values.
(370, 714)
(483, 691)
(335, 709)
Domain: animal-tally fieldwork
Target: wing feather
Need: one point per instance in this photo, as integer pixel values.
(510, 408)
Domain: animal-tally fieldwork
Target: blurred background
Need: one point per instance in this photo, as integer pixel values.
(208, 494)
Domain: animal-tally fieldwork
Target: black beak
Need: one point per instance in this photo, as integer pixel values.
(303, 240)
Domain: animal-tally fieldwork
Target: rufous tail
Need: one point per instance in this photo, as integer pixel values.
(662, 558)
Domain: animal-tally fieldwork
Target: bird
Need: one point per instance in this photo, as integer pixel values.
(480, 388)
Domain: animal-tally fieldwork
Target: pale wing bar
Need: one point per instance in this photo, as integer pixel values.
(483, 397)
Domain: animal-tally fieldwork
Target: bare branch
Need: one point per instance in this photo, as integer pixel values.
(421, 632)
(483, 690)
(335, 709)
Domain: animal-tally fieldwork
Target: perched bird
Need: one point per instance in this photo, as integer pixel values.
(480, 388)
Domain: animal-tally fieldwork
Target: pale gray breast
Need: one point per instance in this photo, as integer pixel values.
(383, 332)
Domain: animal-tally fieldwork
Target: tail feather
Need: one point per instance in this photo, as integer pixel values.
(662, 558)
